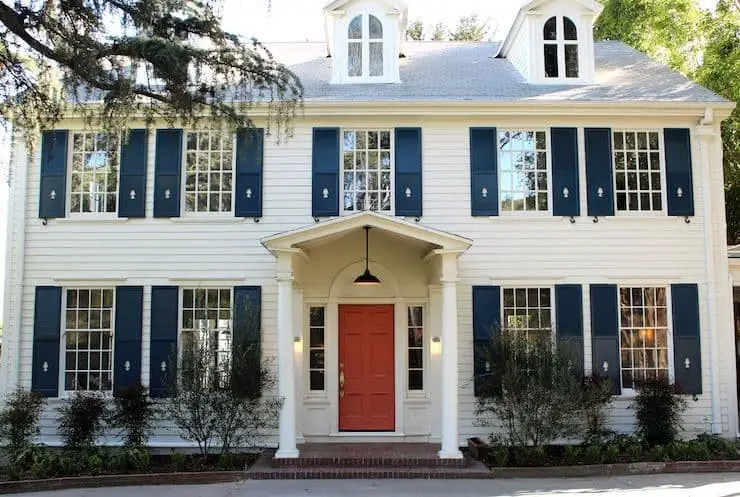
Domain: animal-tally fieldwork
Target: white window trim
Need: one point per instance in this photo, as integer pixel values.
(306, 373)
(88, 216)
(663, 212)
(184, 213)
(536, 213)
(392, 211)
(365, 44)
(425, 353)
(63, 392)
(560, 41)
(631, 392)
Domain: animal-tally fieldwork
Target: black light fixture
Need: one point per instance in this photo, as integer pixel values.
(367, 278)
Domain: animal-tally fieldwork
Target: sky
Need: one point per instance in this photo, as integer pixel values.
(301, 20)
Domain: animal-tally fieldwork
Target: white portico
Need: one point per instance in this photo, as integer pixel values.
(328, 326)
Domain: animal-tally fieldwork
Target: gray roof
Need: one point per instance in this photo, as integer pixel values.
(448, 71)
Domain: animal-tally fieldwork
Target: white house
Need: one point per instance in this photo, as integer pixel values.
(550, 183)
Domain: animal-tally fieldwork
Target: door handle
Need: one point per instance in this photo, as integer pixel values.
(341, 380)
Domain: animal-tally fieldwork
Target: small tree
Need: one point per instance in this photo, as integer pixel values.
(81, 420)
(133, 415)
(658, 408)
(19, 419)
(596, 399)
(415, 31)
(470, 28)
(532, 388)
(439, 32)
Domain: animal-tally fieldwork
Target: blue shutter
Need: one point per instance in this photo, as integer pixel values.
(167, 168)
(132, 191)
(686, 337)
(679, 180)
(565, 187)
(599, 176)
(483, 172)
(163, 349)
(247, 340)
(249, 160)
(569, 320)
(408, 172)
(325, 172)
(127, 333)
(605, 333)
(486, 325)
(47, 323)
(53, 187)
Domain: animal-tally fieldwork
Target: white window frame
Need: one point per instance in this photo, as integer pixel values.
(548, 142)
(663, 179)
(63, 392)
(560, 41)
(365, 44)
(184, 176)
(69, 174)
(181, 309)
(631, 392)
(307, 333)
(424, 350)
(392, 170)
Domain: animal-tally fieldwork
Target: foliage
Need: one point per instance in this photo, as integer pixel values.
(532, 390)
(529, 456)
(415, 31)
(596, 399)
(471, 28)
(218, 406)
(133, 414)
(167, 59)
(19, 419)
(81, 420)
(439, 32)
(658, 409)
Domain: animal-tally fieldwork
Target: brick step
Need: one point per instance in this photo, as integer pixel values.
(370, 462)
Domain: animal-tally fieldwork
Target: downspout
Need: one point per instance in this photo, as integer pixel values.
(707, 136)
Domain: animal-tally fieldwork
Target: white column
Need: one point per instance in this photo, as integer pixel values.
(450, 448)
(286, 367)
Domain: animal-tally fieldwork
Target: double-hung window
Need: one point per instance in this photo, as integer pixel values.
(209, 167)
(643, 334)
(638, 171)
(94, 173)
(367, 156)
(524, 171)
(88, 339)
(528, 312)
(207, 329)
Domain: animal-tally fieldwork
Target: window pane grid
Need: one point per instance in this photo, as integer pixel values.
(206, 324)
(94, 178)
(316, 349)
(643, 334)
(415, 348)
(637, 171)
(528, 311)
(209, 159)
(523, 171)
(366, 170)
(88, 339)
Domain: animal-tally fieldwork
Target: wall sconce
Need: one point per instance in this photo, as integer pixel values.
(297, 345)
(436, 346)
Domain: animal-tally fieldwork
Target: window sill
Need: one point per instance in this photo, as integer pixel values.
(533, 216)
(209, 219)
(92, 219)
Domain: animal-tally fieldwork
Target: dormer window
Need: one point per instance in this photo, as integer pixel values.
(560, 38)
(365, 47)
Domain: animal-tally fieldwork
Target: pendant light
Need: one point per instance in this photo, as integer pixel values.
(367, 278)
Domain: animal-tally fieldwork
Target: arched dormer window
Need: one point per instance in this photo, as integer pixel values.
(560, 37)
(365, 47)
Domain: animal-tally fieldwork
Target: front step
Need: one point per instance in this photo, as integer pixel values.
(346, 461)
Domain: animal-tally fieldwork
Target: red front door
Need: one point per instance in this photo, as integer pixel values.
(366, 383)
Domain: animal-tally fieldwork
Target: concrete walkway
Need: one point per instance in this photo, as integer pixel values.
(684, 485)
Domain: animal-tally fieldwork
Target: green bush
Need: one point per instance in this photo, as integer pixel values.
(47, 464)
(179, 461)
(130, 460)
(530, 456)
(611, 453)
(81, 420)
(572, 455)
(498, 455)
(19, 420)
(593, 454)
(133, 415)
(658, 409)
(596, 399)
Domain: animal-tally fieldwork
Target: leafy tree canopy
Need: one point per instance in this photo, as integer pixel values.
(439, 32)
(150, 59)
(415, 31)
(470, 28)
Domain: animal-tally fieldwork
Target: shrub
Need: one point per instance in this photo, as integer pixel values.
(179, 461)
(596, 399)
(133, 415)
(81, 420)
(130, 459)
(498, 454)
(19, 420)
(572, 455)
(529, 456)
(611, 453)
(532, 390)
(593, 454)
(658, 410)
